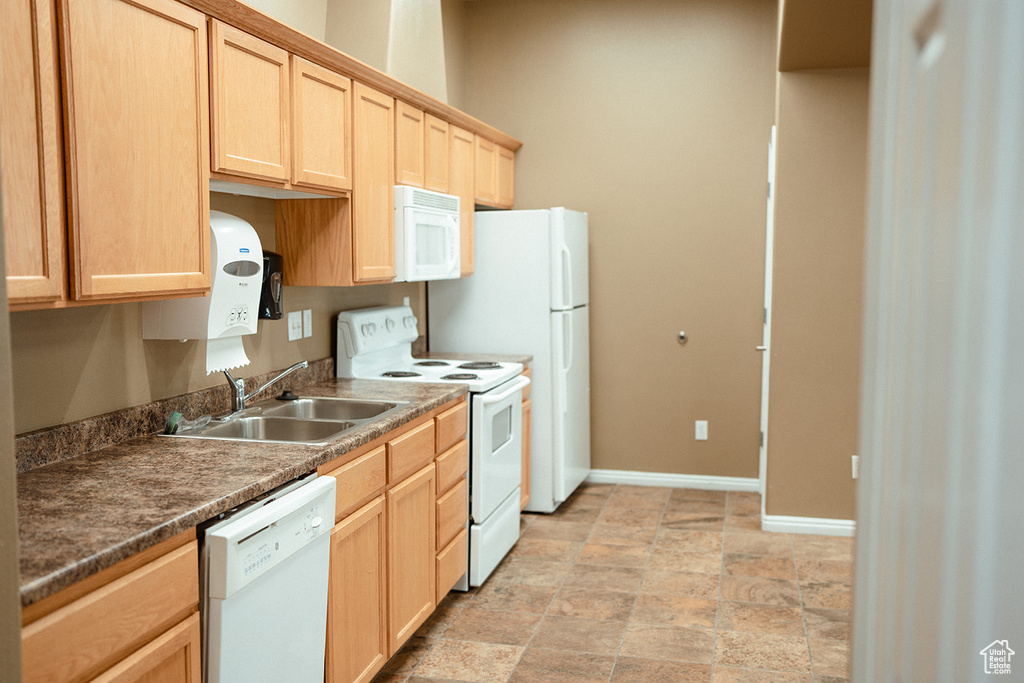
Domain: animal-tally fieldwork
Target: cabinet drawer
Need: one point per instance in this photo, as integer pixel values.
(452, 512)
(174, 656)
(452, 563)
(359, 480)
(451, 465)
(451, 425)
(96, 631)
(410, 452)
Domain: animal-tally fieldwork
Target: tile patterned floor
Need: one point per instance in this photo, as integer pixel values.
(628, 583)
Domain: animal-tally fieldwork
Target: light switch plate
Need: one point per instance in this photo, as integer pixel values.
(307, 323)
(700, 431)
(294, 325)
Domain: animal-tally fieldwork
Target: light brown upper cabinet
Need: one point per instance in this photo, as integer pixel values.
(251, 110)
(321, 127)
(495, 174)
(373, 200)
(33, 191)
(136, 148)
(421, 148)
(505, 177)
(462, 183)
(486, 172)
(436, 164)
(408, 144)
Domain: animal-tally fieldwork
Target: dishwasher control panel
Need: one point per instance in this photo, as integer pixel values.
(248, 547)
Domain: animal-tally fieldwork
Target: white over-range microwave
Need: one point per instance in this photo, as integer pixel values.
(426, 235)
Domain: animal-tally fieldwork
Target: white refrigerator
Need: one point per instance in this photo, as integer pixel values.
(528, 294)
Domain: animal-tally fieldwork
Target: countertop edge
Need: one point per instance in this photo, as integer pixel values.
(40, 587)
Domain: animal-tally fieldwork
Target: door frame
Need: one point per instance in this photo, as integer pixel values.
(766, 334)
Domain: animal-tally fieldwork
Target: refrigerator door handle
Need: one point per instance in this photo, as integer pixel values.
(566, 277)
(566, 364)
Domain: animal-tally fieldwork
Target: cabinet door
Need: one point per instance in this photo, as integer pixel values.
(357, 645)
(462, 183)
(505, 177)
(33, 192)
(411, 555)
(314, 237)
(435, 154)
(250, 105)
(373, 198)
(486, 172)
(170, 658)
(104, 627)
(321, 127)
(408, 145)
(135, 88)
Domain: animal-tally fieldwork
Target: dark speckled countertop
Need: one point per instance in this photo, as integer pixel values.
(84, 514)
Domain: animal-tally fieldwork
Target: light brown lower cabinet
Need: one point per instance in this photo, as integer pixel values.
(387, 572)
(411, 555)
(138, 620)
(357, 602)
(172, 657)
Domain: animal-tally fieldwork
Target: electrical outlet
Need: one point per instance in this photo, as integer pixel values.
(701, 430)
(307, 323)
(294, 325)
(855, 462)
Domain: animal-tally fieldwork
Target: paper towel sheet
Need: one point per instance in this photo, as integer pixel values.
(224, 354)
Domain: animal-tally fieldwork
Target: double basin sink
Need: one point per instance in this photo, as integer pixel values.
(312, 420)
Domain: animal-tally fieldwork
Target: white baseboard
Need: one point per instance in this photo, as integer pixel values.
(679, 481)
(809, 525)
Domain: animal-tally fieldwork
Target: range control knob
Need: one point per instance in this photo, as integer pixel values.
(410, 321)
(390, 324)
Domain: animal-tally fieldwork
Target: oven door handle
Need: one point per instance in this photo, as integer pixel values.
(514, 385)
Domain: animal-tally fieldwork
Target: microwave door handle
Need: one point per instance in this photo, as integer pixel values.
(453, 241)
(514, 386)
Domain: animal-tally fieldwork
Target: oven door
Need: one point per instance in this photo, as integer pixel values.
(431, 245)
(496, 448)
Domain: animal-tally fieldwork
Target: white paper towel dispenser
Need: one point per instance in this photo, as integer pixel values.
(231, 309)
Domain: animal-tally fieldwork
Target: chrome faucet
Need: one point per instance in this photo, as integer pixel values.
(238, 395)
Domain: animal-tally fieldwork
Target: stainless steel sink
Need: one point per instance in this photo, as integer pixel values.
(269, 428)
(324, 408)
(312, 420)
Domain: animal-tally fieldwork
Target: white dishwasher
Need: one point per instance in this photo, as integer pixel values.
(264, 568)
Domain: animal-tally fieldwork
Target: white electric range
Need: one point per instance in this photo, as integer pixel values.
(376, 343)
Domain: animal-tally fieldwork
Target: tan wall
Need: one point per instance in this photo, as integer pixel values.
(456, 39)
(308, 16)
(403, 38)
(654, 116)
(78, 362)
(360, 29)
(416, 46)
(821, 176)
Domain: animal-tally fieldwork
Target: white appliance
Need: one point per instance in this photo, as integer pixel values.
(376, 343)
(529, 295)
(231, 310)
(426, 235)
(264, 569)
